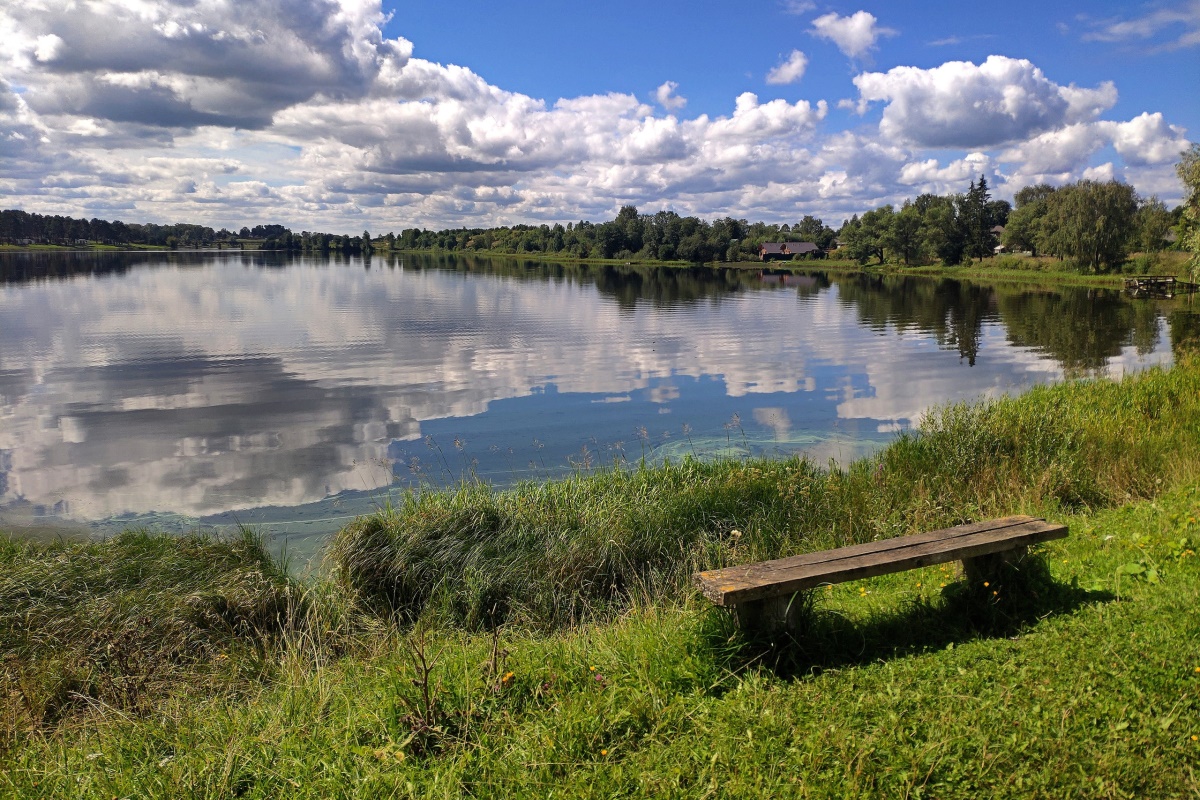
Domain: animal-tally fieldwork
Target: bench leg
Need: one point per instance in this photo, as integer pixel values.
(990, 568)
(773, 616)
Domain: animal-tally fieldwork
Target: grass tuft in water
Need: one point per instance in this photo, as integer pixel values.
(120, 624)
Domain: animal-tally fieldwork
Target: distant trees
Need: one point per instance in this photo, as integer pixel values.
(17, 225)
(927, 229)
(904, 236)
(1153, 222)
(662, 236)
(811, 229)
(1093, 224)
(867, 237)
(975, 220)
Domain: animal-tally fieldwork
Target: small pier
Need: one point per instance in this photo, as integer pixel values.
(1161, 286)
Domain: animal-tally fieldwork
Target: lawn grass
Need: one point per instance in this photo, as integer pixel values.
(1086, 683)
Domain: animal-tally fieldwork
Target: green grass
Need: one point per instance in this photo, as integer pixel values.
(1045, 270)
(896, 694)
(1085, 682)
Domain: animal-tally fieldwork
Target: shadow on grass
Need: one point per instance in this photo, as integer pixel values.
(1015, 601)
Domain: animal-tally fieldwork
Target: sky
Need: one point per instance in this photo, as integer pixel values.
(345, 115)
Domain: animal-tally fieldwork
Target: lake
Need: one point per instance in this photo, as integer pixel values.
(178, 391)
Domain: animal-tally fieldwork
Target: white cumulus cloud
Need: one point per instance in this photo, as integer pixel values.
(789, 70)
(854, 35)
(1146, 139)
(185, 63)
(665, 94)
(960, 104)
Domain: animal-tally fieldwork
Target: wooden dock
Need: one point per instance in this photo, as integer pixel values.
(1164, 286)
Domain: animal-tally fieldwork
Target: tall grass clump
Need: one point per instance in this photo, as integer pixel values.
(121, 624)
(589, 546)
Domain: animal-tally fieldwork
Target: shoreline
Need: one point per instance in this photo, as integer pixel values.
(1168, 263)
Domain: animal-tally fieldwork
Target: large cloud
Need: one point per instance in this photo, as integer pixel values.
(184, 63)
(960, 104)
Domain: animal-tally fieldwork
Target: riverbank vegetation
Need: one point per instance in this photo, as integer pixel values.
(547, 641)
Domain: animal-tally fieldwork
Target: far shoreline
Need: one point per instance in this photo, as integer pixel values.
(1003, 268)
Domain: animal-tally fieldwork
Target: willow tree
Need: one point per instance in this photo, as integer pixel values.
(1090, 223)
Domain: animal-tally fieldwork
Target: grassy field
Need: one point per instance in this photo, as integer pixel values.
(546, 641)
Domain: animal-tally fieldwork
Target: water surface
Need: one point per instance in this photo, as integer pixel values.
(176, 391)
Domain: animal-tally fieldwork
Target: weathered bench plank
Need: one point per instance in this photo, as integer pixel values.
(737, 586)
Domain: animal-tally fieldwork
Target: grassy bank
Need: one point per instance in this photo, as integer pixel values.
(550, 555)
(595, 669)
(1003, 268)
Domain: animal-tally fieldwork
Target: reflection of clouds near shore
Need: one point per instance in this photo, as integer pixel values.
(198, 390)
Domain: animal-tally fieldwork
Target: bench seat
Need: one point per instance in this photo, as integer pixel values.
(748, 585)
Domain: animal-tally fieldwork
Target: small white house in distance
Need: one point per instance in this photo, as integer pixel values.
(998, 232)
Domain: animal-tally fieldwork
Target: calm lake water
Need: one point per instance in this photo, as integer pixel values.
(177, 391)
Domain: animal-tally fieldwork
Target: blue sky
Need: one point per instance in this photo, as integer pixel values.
(344, 114)
(716, 50)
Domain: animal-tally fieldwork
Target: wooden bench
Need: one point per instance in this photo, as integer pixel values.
(762, 594)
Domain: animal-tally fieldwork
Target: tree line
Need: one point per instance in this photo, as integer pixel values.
(22, 227)
(663, 236)
(1093, 225)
